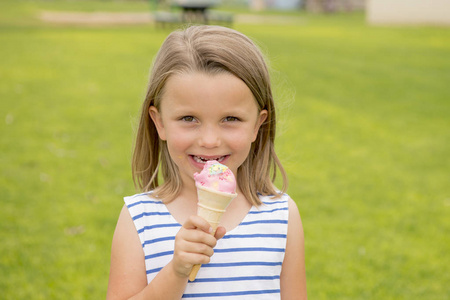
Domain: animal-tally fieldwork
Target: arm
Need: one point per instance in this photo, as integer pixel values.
(128, 279)
(293, 275)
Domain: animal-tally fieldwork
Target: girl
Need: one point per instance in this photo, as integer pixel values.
(209, 98)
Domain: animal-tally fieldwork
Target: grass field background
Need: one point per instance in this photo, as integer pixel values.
(363, 133)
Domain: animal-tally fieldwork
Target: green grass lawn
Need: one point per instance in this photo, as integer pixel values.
(363, 133)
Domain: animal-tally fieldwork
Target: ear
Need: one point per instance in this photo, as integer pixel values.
(261, 118)
(157, 120)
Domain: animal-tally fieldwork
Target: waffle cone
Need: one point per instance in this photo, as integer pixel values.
(211, 206)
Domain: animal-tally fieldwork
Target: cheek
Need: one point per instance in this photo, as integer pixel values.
(241, 140)
(176, 151)
(178, 142)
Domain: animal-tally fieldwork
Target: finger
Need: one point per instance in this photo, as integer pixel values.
(190, 253)
(198, 248)
(196, 259)
(183, 261)
(220, 232)
(198, 222)
(198, 236)
(195, 236)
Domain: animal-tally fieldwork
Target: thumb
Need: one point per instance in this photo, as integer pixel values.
(220, 232)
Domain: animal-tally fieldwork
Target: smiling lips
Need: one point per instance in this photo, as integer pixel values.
(204, 159)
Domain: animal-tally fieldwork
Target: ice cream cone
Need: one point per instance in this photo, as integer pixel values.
(211, 206)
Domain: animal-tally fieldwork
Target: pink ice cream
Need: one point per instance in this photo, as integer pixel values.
(217, 177)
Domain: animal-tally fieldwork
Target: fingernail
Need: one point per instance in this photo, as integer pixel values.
(210, 229)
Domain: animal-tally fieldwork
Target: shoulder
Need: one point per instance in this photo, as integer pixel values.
(285, 202)
(293, 269)
(295, 227)
(293, 210)
(127, 257)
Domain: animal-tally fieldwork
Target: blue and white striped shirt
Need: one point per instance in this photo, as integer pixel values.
(246, 263)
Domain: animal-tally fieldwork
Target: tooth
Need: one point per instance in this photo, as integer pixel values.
(203, 160)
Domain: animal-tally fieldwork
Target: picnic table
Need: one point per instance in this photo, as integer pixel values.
(195, 11)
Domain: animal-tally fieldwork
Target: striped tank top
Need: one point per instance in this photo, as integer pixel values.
(246, 263)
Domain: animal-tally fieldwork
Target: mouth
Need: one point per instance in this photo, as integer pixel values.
(204, 159)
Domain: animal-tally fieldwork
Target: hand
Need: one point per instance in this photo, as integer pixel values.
(194, 245)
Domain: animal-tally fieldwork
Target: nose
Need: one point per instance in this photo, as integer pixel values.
(209, 137)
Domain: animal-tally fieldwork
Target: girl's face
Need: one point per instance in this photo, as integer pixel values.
(204, 117)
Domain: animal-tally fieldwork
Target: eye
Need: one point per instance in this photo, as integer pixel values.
(231, 119)
(188, 119)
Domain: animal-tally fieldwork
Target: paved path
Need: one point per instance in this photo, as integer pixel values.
(115, 18)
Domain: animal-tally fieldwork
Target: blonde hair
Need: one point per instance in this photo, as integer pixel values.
(211, 50)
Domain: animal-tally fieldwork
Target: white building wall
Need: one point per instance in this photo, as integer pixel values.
(408, 11)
